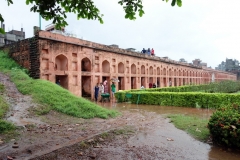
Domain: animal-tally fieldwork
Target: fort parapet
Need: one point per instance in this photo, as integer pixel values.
(80, 64)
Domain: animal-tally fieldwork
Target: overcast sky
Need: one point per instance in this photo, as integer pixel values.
(204, 29)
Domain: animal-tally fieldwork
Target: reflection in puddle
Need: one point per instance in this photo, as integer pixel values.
(166, 135)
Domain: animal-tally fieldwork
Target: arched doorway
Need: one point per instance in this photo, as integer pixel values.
(133, 78)
(86, 79)
(143, 83)
(61, 64)
(121, 78)
(106, 69)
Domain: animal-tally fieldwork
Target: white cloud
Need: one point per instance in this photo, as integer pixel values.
(203, 29)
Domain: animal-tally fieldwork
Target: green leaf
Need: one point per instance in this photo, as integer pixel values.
(179, 3)
(141, 12)
(27, 2)
(173, 2)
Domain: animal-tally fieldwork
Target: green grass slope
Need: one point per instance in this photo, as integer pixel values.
(50, 95)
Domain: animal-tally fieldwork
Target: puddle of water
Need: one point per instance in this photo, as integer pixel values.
(182, 144)
(204, 113)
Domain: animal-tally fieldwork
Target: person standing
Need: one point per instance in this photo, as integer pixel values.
(113, 89)
(152, 52)
(96, 91)
(101, 90)
(148, 51)
(105, 86)
(154, 85)
(58, 82)
(143, 51)
(150, 85)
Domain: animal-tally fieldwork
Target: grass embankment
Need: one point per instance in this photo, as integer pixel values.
(4, 125)
(195, 126)
(50, 95)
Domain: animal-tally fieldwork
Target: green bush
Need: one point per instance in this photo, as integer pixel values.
(224, 126)
(226, 86)
(181, 99)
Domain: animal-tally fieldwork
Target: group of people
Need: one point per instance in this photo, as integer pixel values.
(152, 85)
(103, 88)
(148, 51)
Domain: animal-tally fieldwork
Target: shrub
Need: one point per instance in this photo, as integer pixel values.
(6, 126)
(226, 86)
(180, 99)
(224, 126)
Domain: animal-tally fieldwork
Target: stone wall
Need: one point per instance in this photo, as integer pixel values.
(26, 54)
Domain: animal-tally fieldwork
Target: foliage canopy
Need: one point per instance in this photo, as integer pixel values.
(56, 10)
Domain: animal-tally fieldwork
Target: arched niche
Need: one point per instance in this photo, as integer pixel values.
(185, 73)
(120, 67)
(158, 71)
(142, 69)
(133, 69)
(86, 65)
(170, 72)
(164, 71)
(61, 63)
(151, 70)
(105, 66)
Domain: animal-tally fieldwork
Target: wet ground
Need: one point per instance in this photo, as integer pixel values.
(57, 136)
(182, 145)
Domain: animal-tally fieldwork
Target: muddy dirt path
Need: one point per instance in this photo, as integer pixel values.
(18, 104)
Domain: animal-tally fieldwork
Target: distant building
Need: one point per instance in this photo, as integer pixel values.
(182, 60)
(114, 45)
(11, 36)
(131, 49)
(199, 62)
(230, 65)
(51, 27)
(221, 66)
